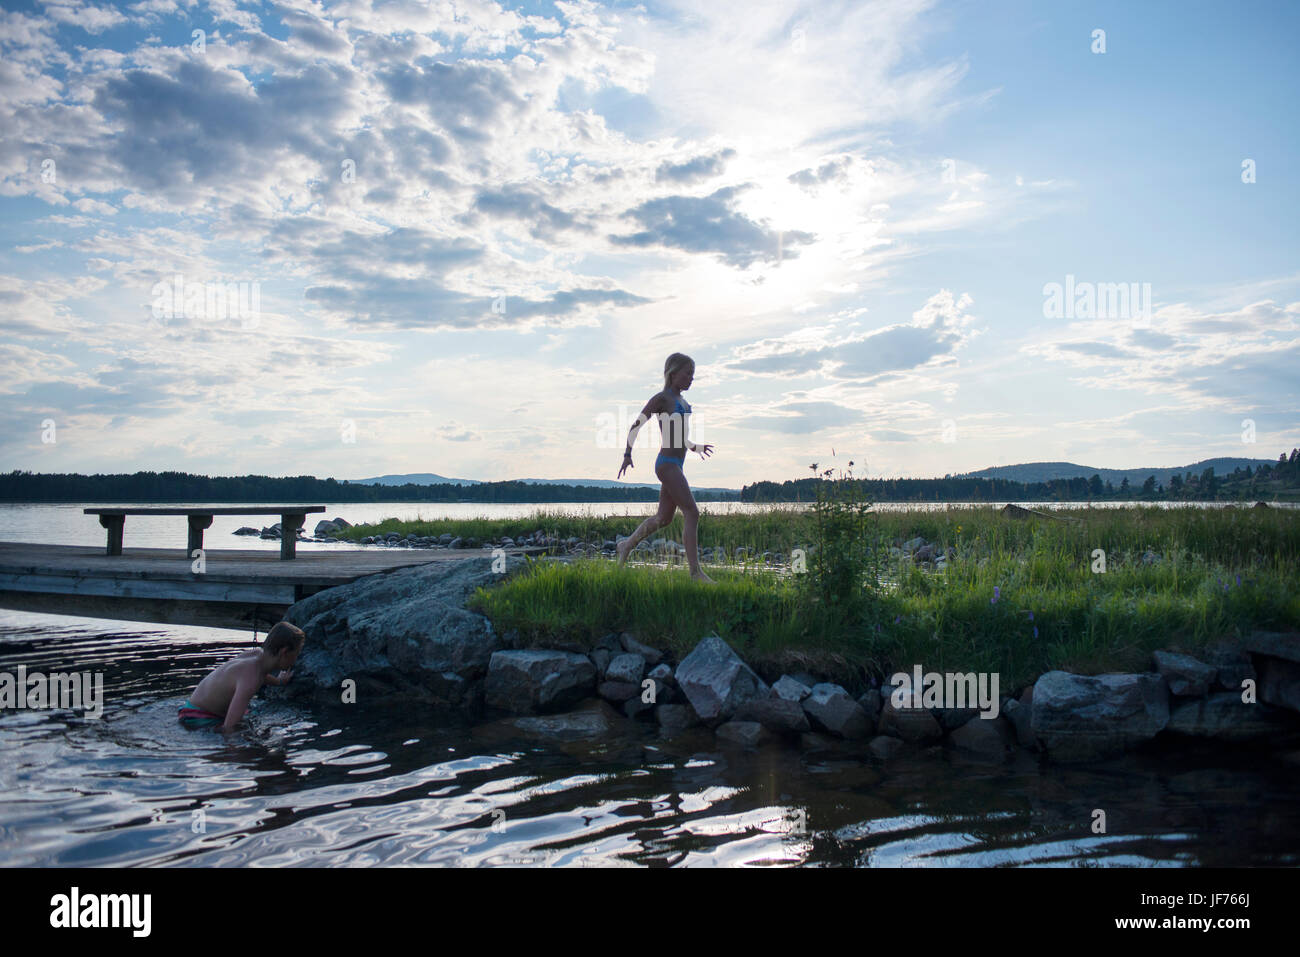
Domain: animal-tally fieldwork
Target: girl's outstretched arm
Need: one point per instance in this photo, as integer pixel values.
(654, 406)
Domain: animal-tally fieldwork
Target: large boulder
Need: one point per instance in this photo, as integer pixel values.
(1079, 717)
(538, 680)
(832, 709)
(404, 631)
(716, 681)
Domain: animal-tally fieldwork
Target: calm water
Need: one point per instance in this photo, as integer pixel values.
(334, 784)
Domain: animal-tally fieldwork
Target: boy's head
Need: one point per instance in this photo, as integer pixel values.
(283, 643)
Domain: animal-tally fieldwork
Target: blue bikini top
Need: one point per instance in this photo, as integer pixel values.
(679, 407)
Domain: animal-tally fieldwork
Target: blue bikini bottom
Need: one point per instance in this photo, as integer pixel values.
(680, 463)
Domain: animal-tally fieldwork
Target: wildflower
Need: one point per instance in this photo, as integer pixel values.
(1035, 631)
(897, 619)
(997, 593)
(1031, 616)
(1238, 580)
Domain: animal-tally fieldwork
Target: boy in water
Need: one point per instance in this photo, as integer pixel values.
(222, 697)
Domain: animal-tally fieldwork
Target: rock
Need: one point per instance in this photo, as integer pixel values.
(1225, 717)
(870, 704)
(673, 718)
(831, 709)
(924, 553)
(1279, 683)
(1232, 664)
(588, 722)
(1077, 717)
(1275, 644)
(885, 747)
(405, 629)
(636, 706)
(790, 689)
(950, 719)
(912, 545)
(341, 523)
(326, 528)
(601, 659)
(1019, 714)
(630, 645)
(626, 667)
(1186, 676)
(748, 734)
(991, 736)
(537, 680)
(662, 674)
(775, 714)
(716, 681)
(618, 691)
(245, 530)
(611, 644)
(915, 725)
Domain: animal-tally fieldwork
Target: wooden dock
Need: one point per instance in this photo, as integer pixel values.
(238, 588)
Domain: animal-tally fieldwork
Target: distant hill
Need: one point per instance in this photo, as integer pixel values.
(1046, 471)
(413, 478)
(430, 478)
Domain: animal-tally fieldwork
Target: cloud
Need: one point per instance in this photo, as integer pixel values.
(937, 331)
(693, 170)
(712, 225)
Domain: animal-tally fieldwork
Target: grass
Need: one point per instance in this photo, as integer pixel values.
(1020, 597)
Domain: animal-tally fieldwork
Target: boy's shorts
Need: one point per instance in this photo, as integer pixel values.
(193, 717)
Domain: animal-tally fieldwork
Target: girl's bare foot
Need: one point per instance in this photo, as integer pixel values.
(703, 578)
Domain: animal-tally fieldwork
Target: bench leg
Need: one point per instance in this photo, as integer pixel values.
(114, 525)
(197, 524)
(289, 525)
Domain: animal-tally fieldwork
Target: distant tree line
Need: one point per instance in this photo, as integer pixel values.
(170, 487)
(1242, 483)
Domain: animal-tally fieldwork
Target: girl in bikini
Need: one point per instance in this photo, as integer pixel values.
(673, 412)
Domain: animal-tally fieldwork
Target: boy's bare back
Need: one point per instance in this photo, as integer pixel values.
(215, 692)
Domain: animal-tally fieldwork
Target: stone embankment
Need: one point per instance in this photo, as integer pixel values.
(407, 632)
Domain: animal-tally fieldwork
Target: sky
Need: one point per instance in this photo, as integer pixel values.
(367, 237)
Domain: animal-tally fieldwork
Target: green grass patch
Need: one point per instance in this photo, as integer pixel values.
(1018, 598)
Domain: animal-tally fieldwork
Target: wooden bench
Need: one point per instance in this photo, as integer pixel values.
(292, 518)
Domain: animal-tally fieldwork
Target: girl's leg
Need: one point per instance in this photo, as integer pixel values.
(657, 520)
(675, 484)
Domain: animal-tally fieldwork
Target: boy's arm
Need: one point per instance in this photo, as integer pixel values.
(244, 691)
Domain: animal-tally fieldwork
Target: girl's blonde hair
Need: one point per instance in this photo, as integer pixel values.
(674, 364)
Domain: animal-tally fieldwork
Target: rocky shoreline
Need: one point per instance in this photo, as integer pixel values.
(407, 633)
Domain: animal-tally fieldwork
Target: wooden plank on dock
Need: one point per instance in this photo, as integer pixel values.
(238, 587)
